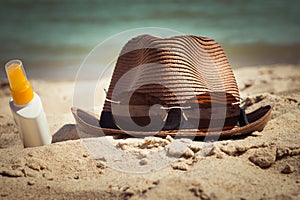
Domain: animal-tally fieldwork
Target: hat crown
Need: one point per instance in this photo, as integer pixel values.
(173, 69)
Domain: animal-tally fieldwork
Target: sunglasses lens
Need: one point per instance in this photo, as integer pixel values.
(213, 111)
(207, 112)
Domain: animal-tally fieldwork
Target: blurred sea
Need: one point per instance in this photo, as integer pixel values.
(52, 37)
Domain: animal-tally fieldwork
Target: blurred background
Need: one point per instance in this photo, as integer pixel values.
(53, 37)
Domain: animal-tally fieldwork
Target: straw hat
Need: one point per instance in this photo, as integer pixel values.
(182, 85)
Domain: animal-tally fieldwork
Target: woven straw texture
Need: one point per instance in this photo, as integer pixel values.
(173, 69)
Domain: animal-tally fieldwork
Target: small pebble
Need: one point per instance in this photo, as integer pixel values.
(249, 83)
(288, 169)
(30, 182)
(30, 154)
(48, 176)
(180, 166)
(143, 161)
(85, 155)
(195, 147)
(169, 138)
(122, 145)
(102, 159)
(127, 194)
(156, 182)
(100, 165)
(188, 153)
(142, 154)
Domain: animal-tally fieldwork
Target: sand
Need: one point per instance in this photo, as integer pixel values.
(261, 165)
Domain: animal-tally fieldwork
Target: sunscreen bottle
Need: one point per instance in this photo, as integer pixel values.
(26, 107)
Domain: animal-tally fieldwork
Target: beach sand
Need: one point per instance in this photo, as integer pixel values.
(262, 165)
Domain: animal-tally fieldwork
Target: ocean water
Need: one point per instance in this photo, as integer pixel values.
(53, 37)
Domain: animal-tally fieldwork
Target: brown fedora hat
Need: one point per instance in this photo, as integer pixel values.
(181, 86)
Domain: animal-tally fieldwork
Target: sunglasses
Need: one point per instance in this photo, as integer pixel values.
(210, 111)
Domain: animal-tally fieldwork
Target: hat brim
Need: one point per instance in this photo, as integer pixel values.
(88, 123)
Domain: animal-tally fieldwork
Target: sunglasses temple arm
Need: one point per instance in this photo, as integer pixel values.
(243, 121)
(109, 100)
(184, 116)
(165, 117)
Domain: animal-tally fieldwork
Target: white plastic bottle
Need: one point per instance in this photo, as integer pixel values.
(26, 107)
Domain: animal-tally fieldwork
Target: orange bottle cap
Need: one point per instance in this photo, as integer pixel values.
(20, 87)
